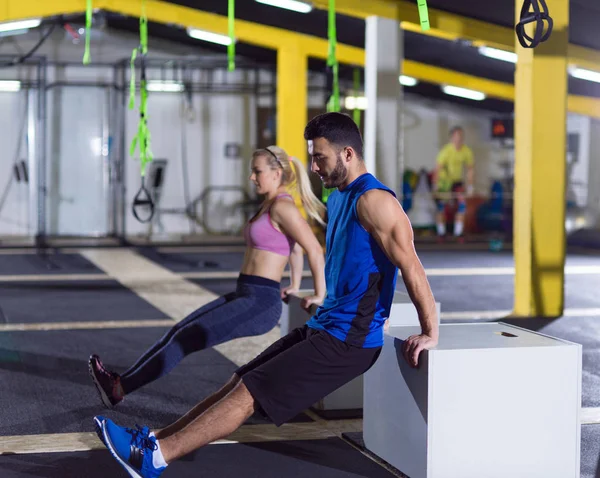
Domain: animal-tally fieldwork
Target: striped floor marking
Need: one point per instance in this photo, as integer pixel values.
(77, 442)
(200, 249)
(496, 314)
(590, 416)
(250, 346)
(165, 290)
(114, 324)
(431, 272)
(53, 277)
(495, 271)
(220, 275)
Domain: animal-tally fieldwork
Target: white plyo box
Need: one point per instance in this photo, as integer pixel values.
(480, 405)
(350, 396)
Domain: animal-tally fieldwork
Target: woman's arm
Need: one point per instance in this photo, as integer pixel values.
(296, 269)
(290, 221)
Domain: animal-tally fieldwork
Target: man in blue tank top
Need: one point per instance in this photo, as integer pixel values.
(369, 237)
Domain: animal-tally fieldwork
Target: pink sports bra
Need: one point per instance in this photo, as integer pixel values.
(261, 234)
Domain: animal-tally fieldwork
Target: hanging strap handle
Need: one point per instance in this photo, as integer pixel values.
(539, 16)
(231, 46)
(356, 86)
(333, 88)
(143, 200)
(333, 104)
(88, 32)
(142, 139)
(423, 15)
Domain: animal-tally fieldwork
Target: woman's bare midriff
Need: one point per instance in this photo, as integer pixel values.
(264, 264)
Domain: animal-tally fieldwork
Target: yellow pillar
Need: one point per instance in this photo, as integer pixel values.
(292, 97)
(292, 102)
(540, 170)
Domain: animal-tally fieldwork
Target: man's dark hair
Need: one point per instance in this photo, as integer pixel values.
(337, 128)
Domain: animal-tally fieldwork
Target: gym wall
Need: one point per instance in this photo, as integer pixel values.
(83, 132)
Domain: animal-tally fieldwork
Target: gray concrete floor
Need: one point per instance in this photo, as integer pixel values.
(55, 311)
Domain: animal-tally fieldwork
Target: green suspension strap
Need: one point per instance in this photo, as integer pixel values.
(88, 32)
(142, 138)
(231, 46)
(356, 86)
(333, 103)
(423, 14)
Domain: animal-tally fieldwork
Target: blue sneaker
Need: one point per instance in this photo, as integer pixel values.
(99, 431)
(133, 449)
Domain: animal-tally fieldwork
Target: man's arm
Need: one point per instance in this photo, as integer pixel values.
(470, 179)
(439, 164)
(383, 217)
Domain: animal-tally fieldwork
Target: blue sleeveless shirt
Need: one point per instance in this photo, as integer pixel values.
(360, 278)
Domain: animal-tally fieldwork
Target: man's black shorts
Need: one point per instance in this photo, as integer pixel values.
(301, 368)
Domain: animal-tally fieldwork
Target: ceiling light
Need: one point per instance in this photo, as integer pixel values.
(294, 5)
(209, 36)
(20, 25)
(463, 93)
(407, 80)
(503, 55)
(9, 85)
(355, 102)
(165, 86)
(582, 74)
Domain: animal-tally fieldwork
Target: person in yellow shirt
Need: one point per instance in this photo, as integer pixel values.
(449, 180)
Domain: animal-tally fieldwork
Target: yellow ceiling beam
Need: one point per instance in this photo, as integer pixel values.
(20, 9)
(436, 75)
(582, 105)
(451, 26)
(176, 15)
(275, 38)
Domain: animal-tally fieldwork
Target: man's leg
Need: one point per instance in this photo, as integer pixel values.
(440, 218)
(142, 454)
(234, 391)
(197, 410)
(218, 421)
(279, 387)
(459, 218)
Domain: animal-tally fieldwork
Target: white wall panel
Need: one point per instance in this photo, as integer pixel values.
(199, 134)
(77, 161)
(14, 196)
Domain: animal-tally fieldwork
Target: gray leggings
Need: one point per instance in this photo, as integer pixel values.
(253, 309)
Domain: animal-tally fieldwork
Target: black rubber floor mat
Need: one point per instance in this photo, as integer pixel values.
(15, 264)
(72, 301)
(328, 458)
(46, 387)
(195, 261)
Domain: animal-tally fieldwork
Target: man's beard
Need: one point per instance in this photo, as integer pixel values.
(338, 176)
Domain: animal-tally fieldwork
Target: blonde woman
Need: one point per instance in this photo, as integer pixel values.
(275, 235)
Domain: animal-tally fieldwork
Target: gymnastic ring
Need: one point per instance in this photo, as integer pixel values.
(538, 16)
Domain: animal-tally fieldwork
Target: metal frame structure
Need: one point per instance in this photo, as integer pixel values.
(114, 124)
(36, 136)
(179, 71)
